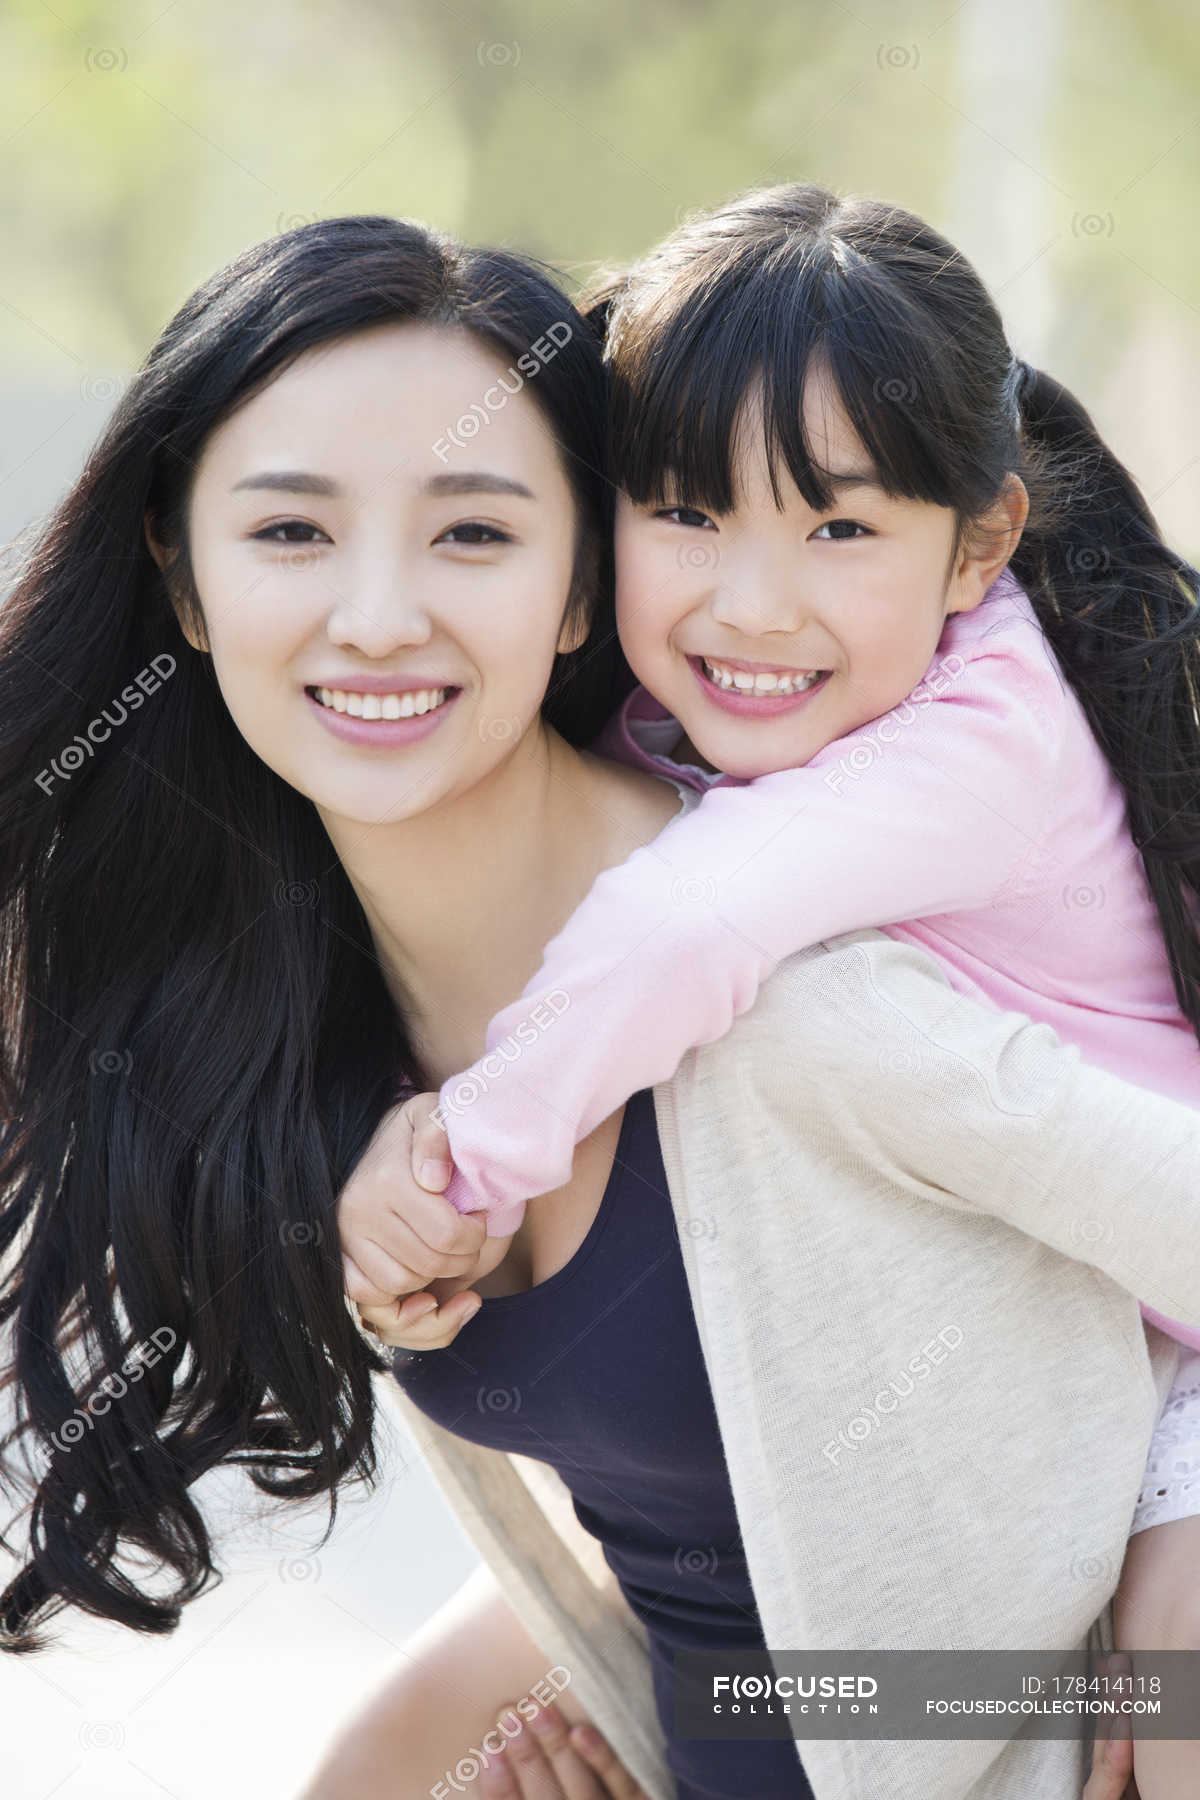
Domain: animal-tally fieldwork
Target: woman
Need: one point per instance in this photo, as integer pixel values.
(335, 900)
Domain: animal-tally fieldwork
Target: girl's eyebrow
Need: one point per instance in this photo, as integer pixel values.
(849, 478)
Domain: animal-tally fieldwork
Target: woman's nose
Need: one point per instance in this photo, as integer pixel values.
(377, 615)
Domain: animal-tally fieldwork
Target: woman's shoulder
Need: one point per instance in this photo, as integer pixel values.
(851, 981)
(838, 1013)
(862, 1020)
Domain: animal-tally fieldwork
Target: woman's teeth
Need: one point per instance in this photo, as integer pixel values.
(381, 706)
(746, 683)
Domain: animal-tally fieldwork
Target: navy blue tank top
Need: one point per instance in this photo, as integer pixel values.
(598, 1371)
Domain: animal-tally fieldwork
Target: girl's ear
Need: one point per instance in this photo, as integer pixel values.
(189, 621)
(992, 540)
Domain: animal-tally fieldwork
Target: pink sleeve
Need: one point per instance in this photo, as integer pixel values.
(1183, 1334)
(931, 808)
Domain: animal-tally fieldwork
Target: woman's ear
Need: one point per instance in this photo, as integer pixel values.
(191, 625)
(993, 540)
(574, 633)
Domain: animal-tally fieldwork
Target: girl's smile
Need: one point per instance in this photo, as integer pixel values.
(751, 692)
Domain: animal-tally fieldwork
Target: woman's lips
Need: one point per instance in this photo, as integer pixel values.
(382, 734)
(752, 706)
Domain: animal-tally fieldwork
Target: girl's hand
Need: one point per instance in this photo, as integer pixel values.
(405, 1249)
(546, 1761)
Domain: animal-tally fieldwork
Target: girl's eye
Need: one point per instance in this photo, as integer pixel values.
(838, 534)
(685, 515)
(286, 532)
(472, 532)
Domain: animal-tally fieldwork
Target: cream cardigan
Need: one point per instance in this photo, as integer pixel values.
(865, 1159)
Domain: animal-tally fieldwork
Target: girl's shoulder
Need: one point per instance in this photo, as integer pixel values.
(1005, 626)
(1000, 652)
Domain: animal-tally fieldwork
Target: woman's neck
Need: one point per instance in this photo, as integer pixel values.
(462, 898)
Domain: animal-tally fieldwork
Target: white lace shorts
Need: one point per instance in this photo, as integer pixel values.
(1171, 1484)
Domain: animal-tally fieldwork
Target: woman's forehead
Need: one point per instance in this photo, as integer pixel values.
(399, 398)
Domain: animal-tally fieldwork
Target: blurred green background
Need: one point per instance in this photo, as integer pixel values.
(1057, 142)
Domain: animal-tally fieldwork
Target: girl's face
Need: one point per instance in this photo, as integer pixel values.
(383, 608)
(846, 606)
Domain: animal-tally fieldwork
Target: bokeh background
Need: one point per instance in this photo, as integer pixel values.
(142, 144)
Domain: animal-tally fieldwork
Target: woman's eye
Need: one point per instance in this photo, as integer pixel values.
(473, 532)
(841, 529)
(685, 515)
(288, 531)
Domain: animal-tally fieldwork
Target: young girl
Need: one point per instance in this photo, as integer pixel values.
(899, 608)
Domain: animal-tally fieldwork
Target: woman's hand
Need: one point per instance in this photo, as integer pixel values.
(1112, 1755)
(405, 1250)
(546, 1761)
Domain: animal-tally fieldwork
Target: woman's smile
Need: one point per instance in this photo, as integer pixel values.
(400, 715)
(341, 565)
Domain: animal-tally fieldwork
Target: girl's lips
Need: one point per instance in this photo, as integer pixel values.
(384, 734)
(752, 706)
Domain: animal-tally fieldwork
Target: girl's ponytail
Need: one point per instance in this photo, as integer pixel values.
(1120, 611)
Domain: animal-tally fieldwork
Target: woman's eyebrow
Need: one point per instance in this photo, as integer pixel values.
(290, 481)
(303, 481)
(476, 481)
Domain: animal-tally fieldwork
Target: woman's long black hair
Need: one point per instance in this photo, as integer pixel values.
(794, 276)
(195, 1037)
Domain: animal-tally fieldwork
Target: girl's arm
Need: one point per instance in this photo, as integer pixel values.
(932, 808)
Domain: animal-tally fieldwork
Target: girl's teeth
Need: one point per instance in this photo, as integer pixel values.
(743, 682)
(381, 706)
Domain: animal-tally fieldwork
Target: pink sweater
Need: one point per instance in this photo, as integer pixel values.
(978, 819)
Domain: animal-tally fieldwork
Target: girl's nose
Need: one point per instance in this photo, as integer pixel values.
(752, 607)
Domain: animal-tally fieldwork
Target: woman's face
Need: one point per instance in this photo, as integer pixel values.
(353, 565)
(852, 600)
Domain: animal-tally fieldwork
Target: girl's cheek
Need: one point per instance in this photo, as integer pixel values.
(634, 627)
(643, 583)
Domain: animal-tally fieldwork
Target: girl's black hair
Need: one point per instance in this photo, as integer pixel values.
(196, 1041)
(787, 279)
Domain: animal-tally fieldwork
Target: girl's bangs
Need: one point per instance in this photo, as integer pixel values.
(684, 377)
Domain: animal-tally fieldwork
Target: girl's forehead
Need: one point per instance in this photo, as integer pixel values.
(835, 448)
